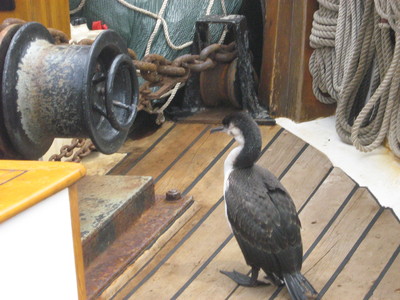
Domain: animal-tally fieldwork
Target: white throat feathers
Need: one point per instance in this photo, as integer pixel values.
(237, 134)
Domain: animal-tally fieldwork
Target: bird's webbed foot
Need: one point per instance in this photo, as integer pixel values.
(245, 280)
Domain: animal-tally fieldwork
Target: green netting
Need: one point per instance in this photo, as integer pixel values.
(136, 27)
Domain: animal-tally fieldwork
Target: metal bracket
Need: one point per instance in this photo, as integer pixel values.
(244, 75)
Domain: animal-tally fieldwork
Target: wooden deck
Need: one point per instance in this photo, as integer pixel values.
(351, 243)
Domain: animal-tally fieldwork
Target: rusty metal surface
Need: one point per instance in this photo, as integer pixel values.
(218, 86)
(53, 90)
(173, 195)
(108, 206)
(244, 74)
(111, 263)
(6, 148)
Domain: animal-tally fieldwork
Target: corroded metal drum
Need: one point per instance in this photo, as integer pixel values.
(53, 91)
(219, 86)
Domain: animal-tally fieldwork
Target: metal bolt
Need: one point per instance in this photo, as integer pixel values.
(173, 195)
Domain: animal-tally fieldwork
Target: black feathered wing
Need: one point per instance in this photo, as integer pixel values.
(264, 221)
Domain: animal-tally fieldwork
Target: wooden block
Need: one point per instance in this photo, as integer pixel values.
(125, 249)
(51, 13)
(210, 283)
(285, 81)
(209, 116)
(139, 145)
(100, 164)
(192, 163)
(108, 206)
(138, 148)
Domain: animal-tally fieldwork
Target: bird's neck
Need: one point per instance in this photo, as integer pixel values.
(245, 155)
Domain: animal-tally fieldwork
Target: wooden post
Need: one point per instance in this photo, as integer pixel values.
(285, 81)
(50, 13)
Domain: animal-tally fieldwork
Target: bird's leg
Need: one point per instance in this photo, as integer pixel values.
(245, 280)
(274, 279)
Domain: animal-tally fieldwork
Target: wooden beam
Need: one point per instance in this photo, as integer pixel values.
(50, 13)
(286, 84)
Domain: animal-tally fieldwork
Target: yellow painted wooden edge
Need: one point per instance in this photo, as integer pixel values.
(33, 182)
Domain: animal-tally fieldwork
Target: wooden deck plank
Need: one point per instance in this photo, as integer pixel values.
(206, 193)
(186, 259)
(389, 287)
(359, 274)
(185, 171)
(278, 156)
(138, 145)
(135, 148)
(167, 150)
(313, 222)
(330, 252)
(306, 174)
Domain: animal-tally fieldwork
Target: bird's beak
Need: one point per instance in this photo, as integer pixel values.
(221, 128)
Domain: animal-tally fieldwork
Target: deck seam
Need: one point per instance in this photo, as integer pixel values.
(382, 274)
(203, 266)
(315, 189)
(141, 156)
(293, 161)
(185, 192)
(350, 254)
(210, 165)
(171, 252)
(182, 154)
(331, 221)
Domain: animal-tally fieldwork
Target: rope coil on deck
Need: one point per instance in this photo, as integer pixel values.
(356, 64)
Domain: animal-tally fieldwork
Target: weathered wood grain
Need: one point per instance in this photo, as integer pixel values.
(166, 151)
(389, 287)
(367, 262)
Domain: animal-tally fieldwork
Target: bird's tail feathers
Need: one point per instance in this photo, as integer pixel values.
(299, 287)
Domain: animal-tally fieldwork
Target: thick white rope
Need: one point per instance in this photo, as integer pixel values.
(156, 28)
(351, 45)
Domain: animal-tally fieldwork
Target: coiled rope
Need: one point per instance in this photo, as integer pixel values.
(356, 64)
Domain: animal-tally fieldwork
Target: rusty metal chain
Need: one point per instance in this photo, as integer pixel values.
(84, 146)
(158, 71)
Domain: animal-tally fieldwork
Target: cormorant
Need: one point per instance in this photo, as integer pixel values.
(261, 213)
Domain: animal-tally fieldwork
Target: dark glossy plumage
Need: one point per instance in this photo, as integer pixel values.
(264, 221)
(261, 213)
